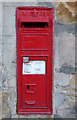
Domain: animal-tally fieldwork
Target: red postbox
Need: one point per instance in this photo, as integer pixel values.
(34, 31)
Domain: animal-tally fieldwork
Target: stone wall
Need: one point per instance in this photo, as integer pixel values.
(64, 74)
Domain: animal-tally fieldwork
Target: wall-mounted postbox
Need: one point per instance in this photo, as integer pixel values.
(34, 30)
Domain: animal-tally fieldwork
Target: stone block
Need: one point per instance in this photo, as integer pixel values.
(66, 12)
(65, 113)
(46, 3)
(14, 116)
(12, 99)
(72, 80)
(64, 106)
(68, 91)
(11, 81)
(66, 49)
(0, 39)
(0, 78)
(54, 111)
(9, 61)
(0, 88)
(9, 54)
(5, 108)
(67, 69)
(4, 79)
(0, 18)
(56, 53)
(6, 39)
(58, 99)
(56, 116)
(0, 104)
(62, 79)
(61, 28)
(19, 4)
(76, 56)
(71, 102)
(8, 21)
(0, 53)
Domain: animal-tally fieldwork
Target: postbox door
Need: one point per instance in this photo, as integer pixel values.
(34, 28)
(34, 74)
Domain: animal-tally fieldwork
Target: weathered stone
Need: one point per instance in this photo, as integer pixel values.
(9, 115)
(59, 1)
(31, 116)
(71, 102)
(0, 20)
(62, 79)
(20, 3)
(72, 7)
(4, 79)
(66, 47)
(60, 29)
(72, 81)
(70, 96)
(64, 106)
(5, 108)
(73, 109)
(67, 90)
(56, 53)
(65, 113)
(0, 39)
(58, 99)
(0, 104)
(71, 113)
(67, 69)
(12, 100)
(9, 54)
(8, 21)
(0, 53)
(66, 12)
(57, 116)
(0, 78)
(0, 88)
(9, 63)
(12, 81)
(11, 39)
(46, 3)
(54, 111)
(14, 116)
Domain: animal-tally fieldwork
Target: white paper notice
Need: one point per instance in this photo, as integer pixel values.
(34, 67)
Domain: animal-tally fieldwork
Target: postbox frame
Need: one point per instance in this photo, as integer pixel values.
(35, 53)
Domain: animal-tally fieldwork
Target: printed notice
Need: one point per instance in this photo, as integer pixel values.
(34, 67)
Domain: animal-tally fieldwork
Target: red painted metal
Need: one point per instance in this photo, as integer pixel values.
(34, 33)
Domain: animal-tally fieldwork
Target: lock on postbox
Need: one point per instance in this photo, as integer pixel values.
(34, 33)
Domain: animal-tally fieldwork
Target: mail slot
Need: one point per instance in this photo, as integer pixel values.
(34, 34)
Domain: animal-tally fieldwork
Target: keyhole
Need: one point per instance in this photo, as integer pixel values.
(27, 87)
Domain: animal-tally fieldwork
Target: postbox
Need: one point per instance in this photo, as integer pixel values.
(34, 34)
